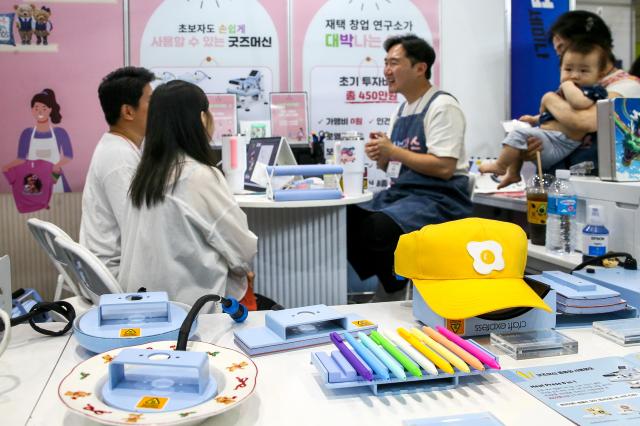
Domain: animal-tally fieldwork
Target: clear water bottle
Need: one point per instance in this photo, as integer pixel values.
(561, 215)
(595, 236)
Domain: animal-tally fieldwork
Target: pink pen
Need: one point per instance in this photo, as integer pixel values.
(473, 350)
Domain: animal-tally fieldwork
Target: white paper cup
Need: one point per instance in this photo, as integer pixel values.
(352, 184)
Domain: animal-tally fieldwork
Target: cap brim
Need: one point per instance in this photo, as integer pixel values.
(460, 299)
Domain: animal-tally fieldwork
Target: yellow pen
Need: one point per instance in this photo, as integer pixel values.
(440, 362)
(446, 353)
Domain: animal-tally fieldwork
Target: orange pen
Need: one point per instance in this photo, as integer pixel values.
(431, 355)
(466, 356)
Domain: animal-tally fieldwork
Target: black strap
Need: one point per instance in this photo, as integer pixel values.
(63, 308)
(628, 263)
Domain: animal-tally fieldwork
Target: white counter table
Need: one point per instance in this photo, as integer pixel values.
(301, 248)
(289, 391)
(25, 370)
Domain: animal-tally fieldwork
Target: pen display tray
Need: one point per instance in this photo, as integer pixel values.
(336, 373)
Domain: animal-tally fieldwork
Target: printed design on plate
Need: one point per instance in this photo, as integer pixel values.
(237, 366)
(242, 382)
(93, 409)
(77, 394)
(133, 418)
(107, 358)
(84, 375)
(225, 399)
(216, 353)
(188, 413)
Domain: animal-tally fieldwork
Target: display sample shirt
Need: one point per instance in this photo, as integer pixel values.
(193, 243)
(112, 167)
(32, 184)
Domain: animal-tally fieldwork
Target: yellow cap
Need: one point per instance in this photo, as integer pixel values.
(468, 267)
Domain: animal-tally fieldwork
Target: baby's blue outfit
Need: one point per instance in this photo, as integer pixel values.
(555, 145)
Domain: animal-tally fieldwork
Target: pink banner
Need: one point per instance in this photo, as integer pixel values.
(83, 42)
(210, 34)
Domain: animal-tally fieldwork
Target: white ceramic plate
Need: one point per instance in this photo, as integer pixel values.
(235, 373)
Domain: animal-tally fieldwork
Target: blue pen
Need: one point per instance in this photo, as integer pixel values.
(383, 356)
(373, 362)
(350, 357)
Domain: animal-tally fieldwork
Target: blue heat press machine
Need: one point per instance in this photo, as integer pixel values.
(127, 319)
(177, 379)
(297, 328)
(598, 288)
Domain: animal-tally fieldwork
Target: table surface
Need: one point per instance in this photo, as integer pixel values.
(289, 390)
(510, 202)
(260, 200)
(25, 369)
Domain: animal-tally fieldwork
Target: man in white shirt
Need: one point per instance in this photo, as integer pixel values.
(124, 96)
(425, 159)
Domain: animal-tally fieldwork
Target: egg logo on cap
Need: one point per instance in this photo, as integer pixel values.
(487, 256)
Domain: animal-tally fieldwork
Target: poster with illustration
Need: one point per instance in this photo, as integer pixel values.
(338, 58)
(46, 139)
(216, 45)
(55, 54)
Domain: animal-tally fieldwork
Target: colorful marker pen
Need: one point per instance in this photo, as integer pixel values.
(391, 363)
(413, 353)
(368, 357)
(440, 362)
(481, 355)
(350, 357)
(455, 360)
(409, 365)
(466, 356)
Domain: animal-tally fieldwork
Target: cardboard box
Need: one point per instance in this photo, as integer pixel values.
(524, 319)
(618, 139)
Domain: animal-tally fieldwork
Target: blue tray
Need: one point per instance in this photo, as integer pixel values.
(337, 373)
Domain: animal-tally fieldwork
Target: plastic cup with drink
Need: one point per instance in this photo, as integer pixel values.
(537, 188)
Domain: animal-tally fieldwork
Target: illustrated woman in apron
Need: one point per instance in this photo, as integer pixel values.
(43, 141)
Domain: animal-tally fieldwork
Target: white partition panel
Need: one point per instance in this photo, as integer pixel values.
(474, 59)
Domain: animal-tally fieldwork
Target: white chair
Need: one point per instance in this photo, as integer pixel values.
(45, 233)
(89, 272)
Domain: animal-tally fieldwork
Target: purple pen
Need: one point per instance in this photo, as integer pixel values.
(350, 357)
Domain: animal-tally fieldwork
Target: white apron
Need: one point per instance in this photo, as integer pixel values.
(46, 149)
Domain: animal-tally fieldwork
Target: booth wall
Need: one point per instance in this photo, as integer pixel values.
(89, 39)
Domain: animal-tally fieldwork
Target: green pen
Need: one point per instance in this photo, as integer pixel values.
(409, 365)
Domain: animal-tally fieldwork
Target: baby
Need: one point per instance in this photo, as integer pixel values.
(582, 65)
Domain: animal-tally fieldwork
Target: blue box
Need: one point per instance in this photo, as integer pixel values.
(624, 281)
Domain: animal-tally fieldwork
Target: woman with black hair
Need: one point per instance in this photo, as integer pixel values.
(44, 141)
(184, 233)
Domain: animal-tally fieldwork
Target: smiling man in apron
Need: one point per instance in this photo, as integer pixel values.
(424, 159)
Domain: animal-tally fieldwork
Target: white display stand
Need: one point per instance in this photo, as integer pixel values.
(302, 257)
